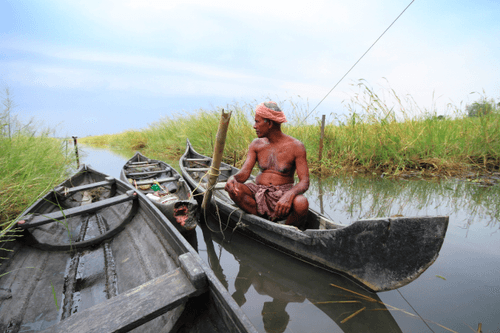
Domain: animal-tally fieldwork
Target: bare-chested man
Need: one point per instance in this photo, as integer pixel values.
(274, 195)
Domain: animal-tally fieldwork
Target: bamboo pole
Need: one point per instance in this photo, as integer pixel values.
(220, 141)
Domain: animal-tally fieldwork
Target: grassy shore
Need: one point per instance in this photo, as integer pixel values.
(372, 140)
(31, 165)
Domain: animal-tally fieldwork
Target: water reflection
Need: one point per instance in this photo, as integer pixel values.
(348, 199)
(286, 280)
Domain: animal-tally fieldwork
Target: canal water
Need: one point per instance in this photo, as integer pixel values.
(460, 291)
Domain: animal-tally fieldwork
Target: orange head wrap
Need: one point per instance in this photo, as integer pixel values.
(271, 111)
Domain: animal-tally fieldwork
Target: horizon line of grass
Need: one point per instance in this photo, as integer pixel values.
(372, 139)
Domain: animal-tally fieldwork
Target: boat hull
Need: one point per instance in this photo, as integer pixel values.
(95, 269)
(382, 254)
(178, 205)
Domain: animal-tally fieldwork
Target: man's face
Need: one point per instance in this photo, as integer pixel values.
(261, 126)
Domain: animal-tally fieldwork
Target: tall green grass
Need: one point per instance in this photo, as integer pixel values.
(30, 165)
(31, 162)
(384, 134)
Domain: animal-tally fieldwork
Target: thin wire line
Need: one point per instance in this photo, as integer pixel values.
(358, 61)
(415, 311)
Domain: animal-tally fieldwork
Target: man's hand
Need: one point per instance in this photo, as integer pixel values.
(284, 205)
(231, 185)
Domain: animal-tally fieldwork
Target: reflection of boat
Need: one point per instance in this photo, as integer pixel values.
(383, 254)
(172, 195)
(94, 255)
(287, 280)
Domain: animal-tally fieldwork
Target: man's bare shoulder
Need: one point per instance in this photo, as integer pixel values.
(258, 142)
(296, 143)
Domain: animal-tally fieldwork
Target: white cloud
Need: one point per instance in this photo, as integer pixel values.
(238, 50)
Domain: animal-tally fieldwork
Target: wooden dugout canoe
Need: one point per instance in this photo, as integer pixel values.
(93, 255)
(382, 254)
(175, 200)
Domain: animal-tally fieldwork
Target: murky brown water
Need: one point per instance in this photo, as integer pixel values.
(459, 291)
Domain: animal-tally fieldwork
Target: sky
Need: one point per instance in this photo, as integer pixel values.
(92, 67)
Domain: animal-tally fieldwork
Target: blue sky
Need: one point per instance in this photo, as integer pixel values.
(102, 67)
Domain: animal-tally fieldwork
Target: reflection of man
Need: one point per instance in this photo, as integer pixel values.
(274, 315)
(278, 155)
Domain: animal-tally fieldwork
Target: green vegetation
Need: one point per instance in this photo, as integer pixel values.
(31, 163)
(373, 138)
(483, 107)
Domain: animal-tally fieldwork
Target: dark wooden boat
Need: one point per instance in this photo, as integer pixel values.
(173, 198)
(382, 254)
(287, 281)
(94, 255)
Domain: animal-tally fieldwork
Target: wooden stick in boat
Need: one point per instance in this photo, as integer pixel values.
(208, 169)
(217, 158)
(152, 181)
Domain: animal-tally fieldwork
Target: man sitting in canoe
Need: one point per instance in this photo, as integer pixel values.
(274, 195)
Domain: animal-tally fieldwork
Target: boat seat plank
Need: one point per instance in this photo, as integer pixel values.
(220, 186)
(147, 172)
(141, 164)
(207, 169)
(134, 307)
(198, 159)
(70, 190)
(37, 220)
(193, 270)
(152, 181)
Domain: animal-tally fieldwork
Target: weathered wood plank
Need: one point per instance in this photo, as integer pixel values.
(133, 308)
(193, 270)
(33, 221)
(206, 169)
(70, 190)
(142, 164)
(147, 172)
(220, 186)
(152, 181)
(198, 159)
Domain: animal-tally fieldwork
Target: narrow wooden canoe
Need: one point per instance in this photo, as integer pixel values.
(94, 255)
(173, 199)
(382, 254)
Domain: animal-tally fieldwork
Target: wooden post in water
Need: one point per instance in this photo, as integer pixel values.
(76, 152)
(213, 173)
(322, 135)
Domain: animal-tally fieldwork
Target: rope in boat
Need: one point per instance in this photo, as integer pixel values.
(201, 179)
(209, 173)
